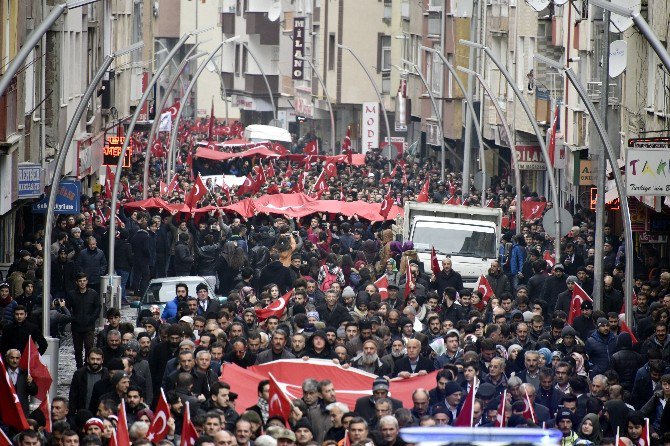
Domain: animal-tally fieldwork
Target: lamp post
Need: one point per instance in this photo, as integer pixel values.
(260, 68)
(131, 127)
(154, 125)
(475, 120)
(506, 127)
(618, 180)
(49, 216)
(330, 104)
(379, 97)
(538, 134)
(224, 93)
(34, 38)
(641, 24)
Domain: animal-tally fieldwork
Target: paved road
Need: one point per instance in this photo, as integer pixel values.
(66, 364)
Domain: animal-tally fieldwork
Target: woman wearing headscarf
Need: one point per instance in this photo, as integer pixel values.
(589, 429)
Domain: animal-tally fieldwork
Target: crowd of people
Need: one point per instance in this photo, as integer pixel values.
(589, 379)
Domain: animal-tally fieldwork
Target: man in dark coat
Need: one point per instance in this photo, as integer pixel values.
(553, 286)
(123, 260)
(85, 308)
(84, 379)
(63, 273)
(140, 243)
(16, 334)
(499, 281)
(207, 306)
(600, 346)
(413, 364)
(275, 272)
(23, 382)
(333, 314)
(183, 259)
(92, 262)
(447, 277)
(365, 405)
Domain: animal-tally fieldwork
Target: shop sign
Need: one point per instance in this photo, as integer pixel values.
(585, 173)
(648, 171)
(68, 199)
(645, 237)
(530, 158)
(370, 135)
(298, 72)
(30, 181)
(112, 151)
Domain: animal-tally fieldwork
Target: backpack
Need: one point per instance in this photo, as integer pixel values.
(328, 281)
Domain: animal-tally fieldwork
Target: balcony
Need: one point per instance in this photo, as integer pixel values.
(8, 110)
(228, 23)
(258, 23)
(255, 85)
(594, 88)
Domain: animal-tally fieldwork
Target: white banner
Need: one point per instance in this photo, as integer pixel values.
(165, 124)
(370, 126)
(648, 172)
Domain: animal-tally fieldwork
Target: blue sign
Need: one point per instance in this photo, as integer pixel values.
(68, 199)
(30, 180)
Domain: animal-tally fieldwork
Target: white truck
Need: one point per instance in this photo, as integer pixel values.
(468, 235)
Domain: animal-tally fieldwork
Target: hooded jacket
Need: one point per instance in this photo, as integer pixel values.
(600, 348)
(626, 361)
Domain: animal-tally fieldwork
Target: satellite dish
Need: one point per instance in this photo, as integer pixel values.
(560, 2)
(275, 11)
(210, 66)
(618, 57)
(619, 24)
(538, 5)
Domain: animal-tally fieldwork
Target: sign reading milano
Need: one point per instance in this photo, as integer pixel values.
(298, 48)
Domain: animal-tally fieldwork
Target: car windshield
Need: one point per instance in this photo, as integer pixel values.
(162, 292)
(455, 239)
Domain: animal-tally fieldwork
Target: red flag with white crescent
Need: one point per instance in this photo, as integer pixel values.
(173, 109)
(279, 405)
(270, 172)
(11, 412)
(549, 258)
(159, 427)
(382, 285)
(454, 200)
(330, 168)
(500, 418)
(196, 193)
(31, 361)
(109, 181)
(276, 308)
(529, 410)
(387, 204)
(434, 264)
(289, 170)
(466, 417)
(174, 184)
(484, 287)
(188, 432)
(122, 435)
(645, 435)
(423, 195)
(578, 296)
(551, 146)
(532, 210)
(311, 148)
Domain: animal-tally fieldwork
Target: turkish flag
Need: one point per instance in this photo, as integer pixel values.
(122, 436)
(551, 146)
(645, 435)
(624, 327)
(247, 186)
(189, 161)
(276, 308)
(529, 411)
(500, 418)
(330, 168)
(408, 279)
(387, 204)
(279, 405)
(346, 144)
(289, 170)
(578, 296)
(4, 440)
(11, 412)
(484, 287)
(454, 200)
(109, 181)
(549, 258)
(157, 149)
(173, 109)
(423, 195)
(465, 417)
(188, 432)
(174, 185)
(159, 427)
(532, 210)
(320, 182)
(389, 178)
(489, 203)
(434, 264)
(271, 171)
(126, 190)
(196, 193)
(382, 285)
(272, 189)
(162, 187)
(31, 361)
(311, 148)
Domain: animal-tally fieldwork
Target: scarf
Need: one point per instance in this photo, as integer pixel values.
(265, 410)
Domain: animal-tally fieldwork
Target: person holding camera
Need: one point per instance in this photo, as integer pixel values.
(59, 317)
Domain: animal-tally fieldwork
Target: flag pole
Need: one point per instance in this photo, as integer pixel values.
(30, 342)
(472, 405)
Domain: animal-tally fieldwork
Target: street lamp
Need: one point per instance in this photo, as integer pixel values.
(379, 97)
(122, 155)
(224, 93)
(330, 104)
(618, 180)
(34, 38)
(506, 127)
(158, 108)
(538, 134)
(475, 121)
(175, 126)
(49, 216)
(641, 24)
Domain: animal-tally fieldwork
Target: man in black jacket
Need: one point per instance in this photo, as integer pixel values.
(16, 334)
(446, 278)
(413, 364)
(63, 273)
(365, 405)
(553, 286)
(93, 262)
(123, 260)
(140, 243)
(84, 379)
(85, 307)
(275, 272)
(333, 314)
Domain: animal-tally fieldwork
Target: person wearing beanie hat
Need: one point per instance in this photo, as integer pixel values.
(348, 292)
(303, 432)
(94, 426)
(318, 346)
(554, 284)
(564, 299)
(564, 423)
(365, 405)
(584, 324)
(453, 393)
(119, 382)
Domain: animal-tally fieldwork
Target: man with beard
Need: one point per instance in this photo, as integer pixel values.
(368, 360)
(144, 341)
(365, 405)
(299, 344)
(112, 347)
(163, 352)
(277, 349)
(134, 403)
(434, 328)
(85, 308)
(220, 400)
(83, 380)
(140, 367)
(398, 351)
(452, 352)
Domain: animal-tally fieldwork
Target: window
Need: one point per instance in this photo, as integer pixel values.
(385, 44)
(331, 51)
(434, 25)
(436, 75)
(520, 62)
(238, 59)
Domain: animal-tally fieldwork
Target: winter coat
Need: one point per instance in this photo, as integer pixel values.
(553, 286)
(63, 276)
(600, 349)
(444, 280)
(334, 317)
(7, 311)
(517, 258)
(653, 342)
(85, 309)
(499, 283)
(16, 336)
(208, 259)
(626, 361)
(93, 263)
(183, 259)
(140, 245)
(123, 259)
(275, 272)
